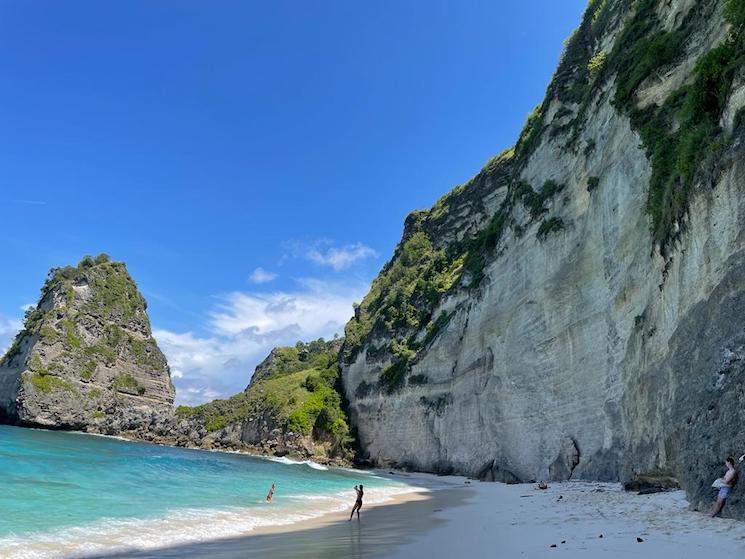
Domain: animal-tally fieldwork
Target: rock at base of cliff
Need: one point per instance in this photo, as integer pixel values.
(646, 484)
(494, 472)
(562, 468)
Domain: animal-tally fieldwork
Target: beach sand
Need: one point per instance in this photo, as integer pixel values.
(518, 521)
(494, 520)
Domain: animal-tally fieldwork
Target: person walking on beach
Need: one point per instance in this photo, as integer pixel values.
(358, 503)
(725, 488)
(270, 494)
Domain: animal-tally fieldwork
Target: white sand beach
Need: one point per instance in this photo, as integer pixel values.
(469, 518)
(518, 521)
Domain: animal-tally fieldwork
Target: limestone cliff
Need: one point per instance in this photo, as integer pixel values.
(575, 310)
(86, 353)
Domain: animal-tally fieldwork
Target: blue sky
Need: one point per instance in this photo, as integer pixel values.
(251, 162)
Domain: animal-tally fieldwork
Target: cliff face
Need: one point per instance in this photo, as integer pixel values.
(575, 310)
(86, 353)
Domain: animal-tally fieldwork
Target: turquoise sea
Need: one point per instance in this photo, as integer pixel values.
(69, 494)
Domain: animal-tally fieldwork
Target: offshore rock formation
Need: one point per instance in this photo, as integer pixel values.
(86, 353)
(575, 310)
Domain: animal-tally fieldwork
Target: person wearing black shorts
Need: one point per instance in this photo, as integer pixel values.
(358, 503)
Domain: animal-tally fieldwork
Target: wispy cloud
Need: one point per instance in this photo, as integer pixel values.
(326, 253)
(31, 202)
(260, 275)
(242, 329)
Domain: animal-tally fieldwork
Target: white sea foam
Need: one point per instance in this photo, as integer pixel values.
(115, 437)
(285, 460)
(182, 526)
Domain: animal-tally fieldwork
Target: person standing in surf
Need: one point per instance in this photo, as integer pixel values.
(270, 494)
(358, 503)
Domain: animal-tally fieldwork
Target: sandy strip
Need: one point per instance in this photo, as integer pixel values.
(495, 520)
(518, 521)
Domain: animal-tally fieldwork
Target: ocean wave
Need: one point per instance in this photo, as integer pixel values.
(288, 461)
(180, 527)
(115, 437)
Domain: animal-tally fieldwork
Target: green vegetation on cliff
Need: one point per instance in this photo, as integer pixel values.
(127, 383)
(45, 382)
(401, 306)
(681, 135)
(549, 226)
(401, 297)
(295, 390)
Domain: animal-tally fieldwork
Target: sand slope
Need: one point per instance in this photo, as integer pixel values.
(518, 521)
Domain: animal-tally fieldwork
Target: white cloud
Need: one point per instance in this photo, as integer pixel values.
(9, 327)
(312, 309)
(260, 275)
(244, 327)
(324, 253)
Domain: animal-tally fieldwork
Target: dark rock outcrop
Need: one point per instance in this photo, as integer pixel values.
(562, 468)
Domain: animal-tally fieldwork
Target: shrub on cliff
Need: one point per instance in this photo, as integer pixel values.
(549, 226)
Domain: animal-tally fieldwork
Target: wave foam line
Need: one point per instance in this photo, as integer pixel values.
(290, 462)
(180, 527)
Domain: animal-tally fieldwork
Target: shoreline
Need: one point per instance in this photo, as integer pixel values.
(308, 500)
(420, 515)
(145, 535)
(327, 518)
(573, 519)
(330, 535)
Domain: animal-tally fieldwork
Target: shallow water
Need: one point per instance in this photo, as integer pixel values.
(70, 493)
